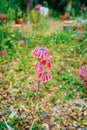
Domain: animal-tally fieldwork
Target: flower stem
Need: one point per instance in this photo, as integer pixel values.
(36, 105)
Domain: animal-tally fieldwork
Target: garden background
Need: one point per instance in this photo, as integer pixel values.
(43, 65)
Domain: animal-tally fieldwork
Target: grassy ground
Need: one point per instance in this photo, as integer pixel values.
(53, 26)
(63, 100)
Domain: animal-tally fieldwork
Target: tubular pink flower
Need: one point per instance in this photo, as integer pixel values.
(82, 72)
(36, 52)
(43, 62)
(44, 77)
(39, 68)
(41, 53)
(49, 64)
(21, 42)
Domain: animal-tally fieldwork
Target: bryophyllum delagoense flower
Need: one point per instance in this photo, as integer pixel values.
(82, 72)
(43, 62)
(41, 53)
(44, 77)
(39, 68)
(47, 62)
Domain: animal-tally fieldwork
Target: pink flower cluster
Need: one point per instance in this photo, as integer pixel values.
(43, 55)
(82, 72)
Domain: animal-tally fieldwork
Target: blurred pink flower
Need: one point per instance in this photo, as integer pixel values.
(4, 20)
(3, 16)
(84, 83)
(83, 8)
(2, 53)
(32, 87)
(5, 106)
(21, 42)
(39, 68)
(80, 38)
(44, 77)
(38, 6)
(82, 72)
(47, 62)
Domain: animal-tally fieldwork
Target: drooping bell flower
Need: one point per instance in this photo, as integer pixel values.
(46, 53)
(21, 42)
(41, 53)
(39, 68)
(43, 62)
(33, 87)
(49, 64)
(82, 72)
(36, 52)
(44, 77)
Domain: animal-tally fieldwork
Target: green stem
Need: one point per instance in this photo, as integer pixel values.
(36, 106)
